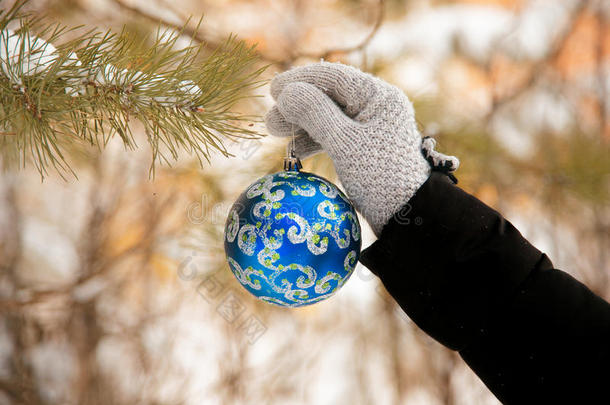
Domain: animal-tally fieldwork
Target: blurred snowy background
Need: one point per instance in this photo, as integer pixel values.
(114, 288)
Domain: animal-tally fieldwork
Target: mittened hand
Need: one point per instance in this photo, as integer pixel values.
(367, 127)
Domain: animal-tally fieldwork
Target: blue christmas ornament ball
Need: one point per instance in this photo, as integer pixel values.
(292, 238)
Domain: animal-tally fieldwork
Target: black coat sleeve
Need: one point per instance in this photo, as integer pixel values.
(468, 278)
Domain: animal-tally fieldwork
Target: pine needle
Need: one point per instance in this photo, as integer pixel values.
(87, 90)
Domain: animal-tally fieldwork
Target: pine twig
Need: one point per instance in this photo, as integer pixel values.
(58, 94)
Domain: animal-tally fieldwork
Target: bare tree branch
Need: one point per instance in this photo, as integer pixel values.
(185, 29)
(283, 63)
(349, 49)
(540, 66)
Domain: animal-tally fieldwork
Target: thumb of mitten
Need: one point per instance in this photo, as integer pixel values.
(307, 107)
(302, 146)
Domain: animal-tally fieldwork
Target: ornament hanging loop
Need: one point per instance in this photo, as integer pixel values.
(291, 162)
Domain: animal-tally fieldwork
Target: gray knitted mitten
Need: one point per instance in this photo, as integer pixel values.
(368, 128)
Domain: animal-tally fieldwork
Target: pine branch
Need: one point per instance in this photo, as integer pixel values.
(55, 93)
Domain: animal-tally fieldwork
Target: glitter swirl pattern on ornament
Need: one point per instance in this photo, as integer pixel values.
(292, 238)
